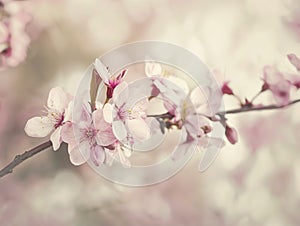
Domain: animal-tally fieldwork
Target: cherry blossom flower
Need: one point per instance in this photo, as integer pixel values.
(277, 84)
(128, 122)
(58, 113)
(111, 83)
(14, 41)
(88, 138)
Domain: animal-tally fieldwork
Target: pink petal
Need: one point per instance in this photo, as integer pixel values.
(39, 126)
(138, 128)
(105, 136)
(67, 133)
(271, 76)
(294, 61)
(97, 155)
(56, 138)
(58, 99)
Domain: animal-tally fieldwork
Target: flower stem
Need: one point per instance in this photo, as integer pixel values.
(22, 157)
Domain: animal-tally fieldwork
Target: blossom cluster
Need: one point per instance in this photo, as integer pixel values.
(14, 40)
(107, 131)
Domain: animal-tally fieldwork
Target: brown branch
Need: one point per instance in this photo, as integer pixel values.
(263, 108)
(22, 157)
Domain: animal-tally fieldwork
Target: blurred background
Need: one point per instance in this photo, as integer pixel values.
(255, 182)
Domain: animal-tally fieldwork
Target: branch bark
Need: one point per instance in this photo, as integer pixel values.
(22, 157)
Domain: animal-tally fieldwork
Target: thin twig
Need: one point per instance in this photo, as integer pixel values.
(22, 157)
(263, 108)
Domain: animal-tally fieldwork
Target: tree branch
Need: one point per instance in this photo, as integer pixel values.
(263, 108)
(22, 157)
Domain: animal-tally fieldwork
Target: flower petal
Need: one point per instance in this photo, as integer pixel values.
(294, 60)
(153, 69)
(138, 128)
(56, 138)
(119, 130)
(102, 70)
(105, 136)
(97, 155)
(108, 112)
(39, 126)
(58, 99)
(120, 94)
(76, 157)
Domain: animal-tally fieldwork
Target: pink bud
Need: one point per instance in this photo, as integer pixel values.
(294, 60)
(231, 134)
(226, 89)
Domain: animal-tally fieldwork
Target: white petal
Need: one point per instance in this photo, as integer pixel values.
(179, 82)
(58, 99)
(76, 157)
(102, 70)
(120, 94)
(152, 69)
(125, 162)
(56, 138)
(138, 128)
(108, 112)
(39, 127)
(119, 130)
(69, 111)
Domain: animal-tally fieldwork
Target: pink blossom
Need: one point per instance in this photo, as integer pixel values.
(129, 122)
(14, 41)
(58, 113)
(88, 138)
(277, 84)
(111, 83)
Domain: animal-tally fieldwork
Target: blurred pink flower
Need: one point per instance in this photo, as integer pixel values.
(14, 41)
(88, 138)
(111, 83)
(294, 78)
(58, 113)
(294, 60)
(277, 84)
(127, 121)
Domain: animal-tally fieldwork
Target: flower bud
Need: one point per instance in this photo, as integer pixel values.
(231, 134)
(226, 89)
